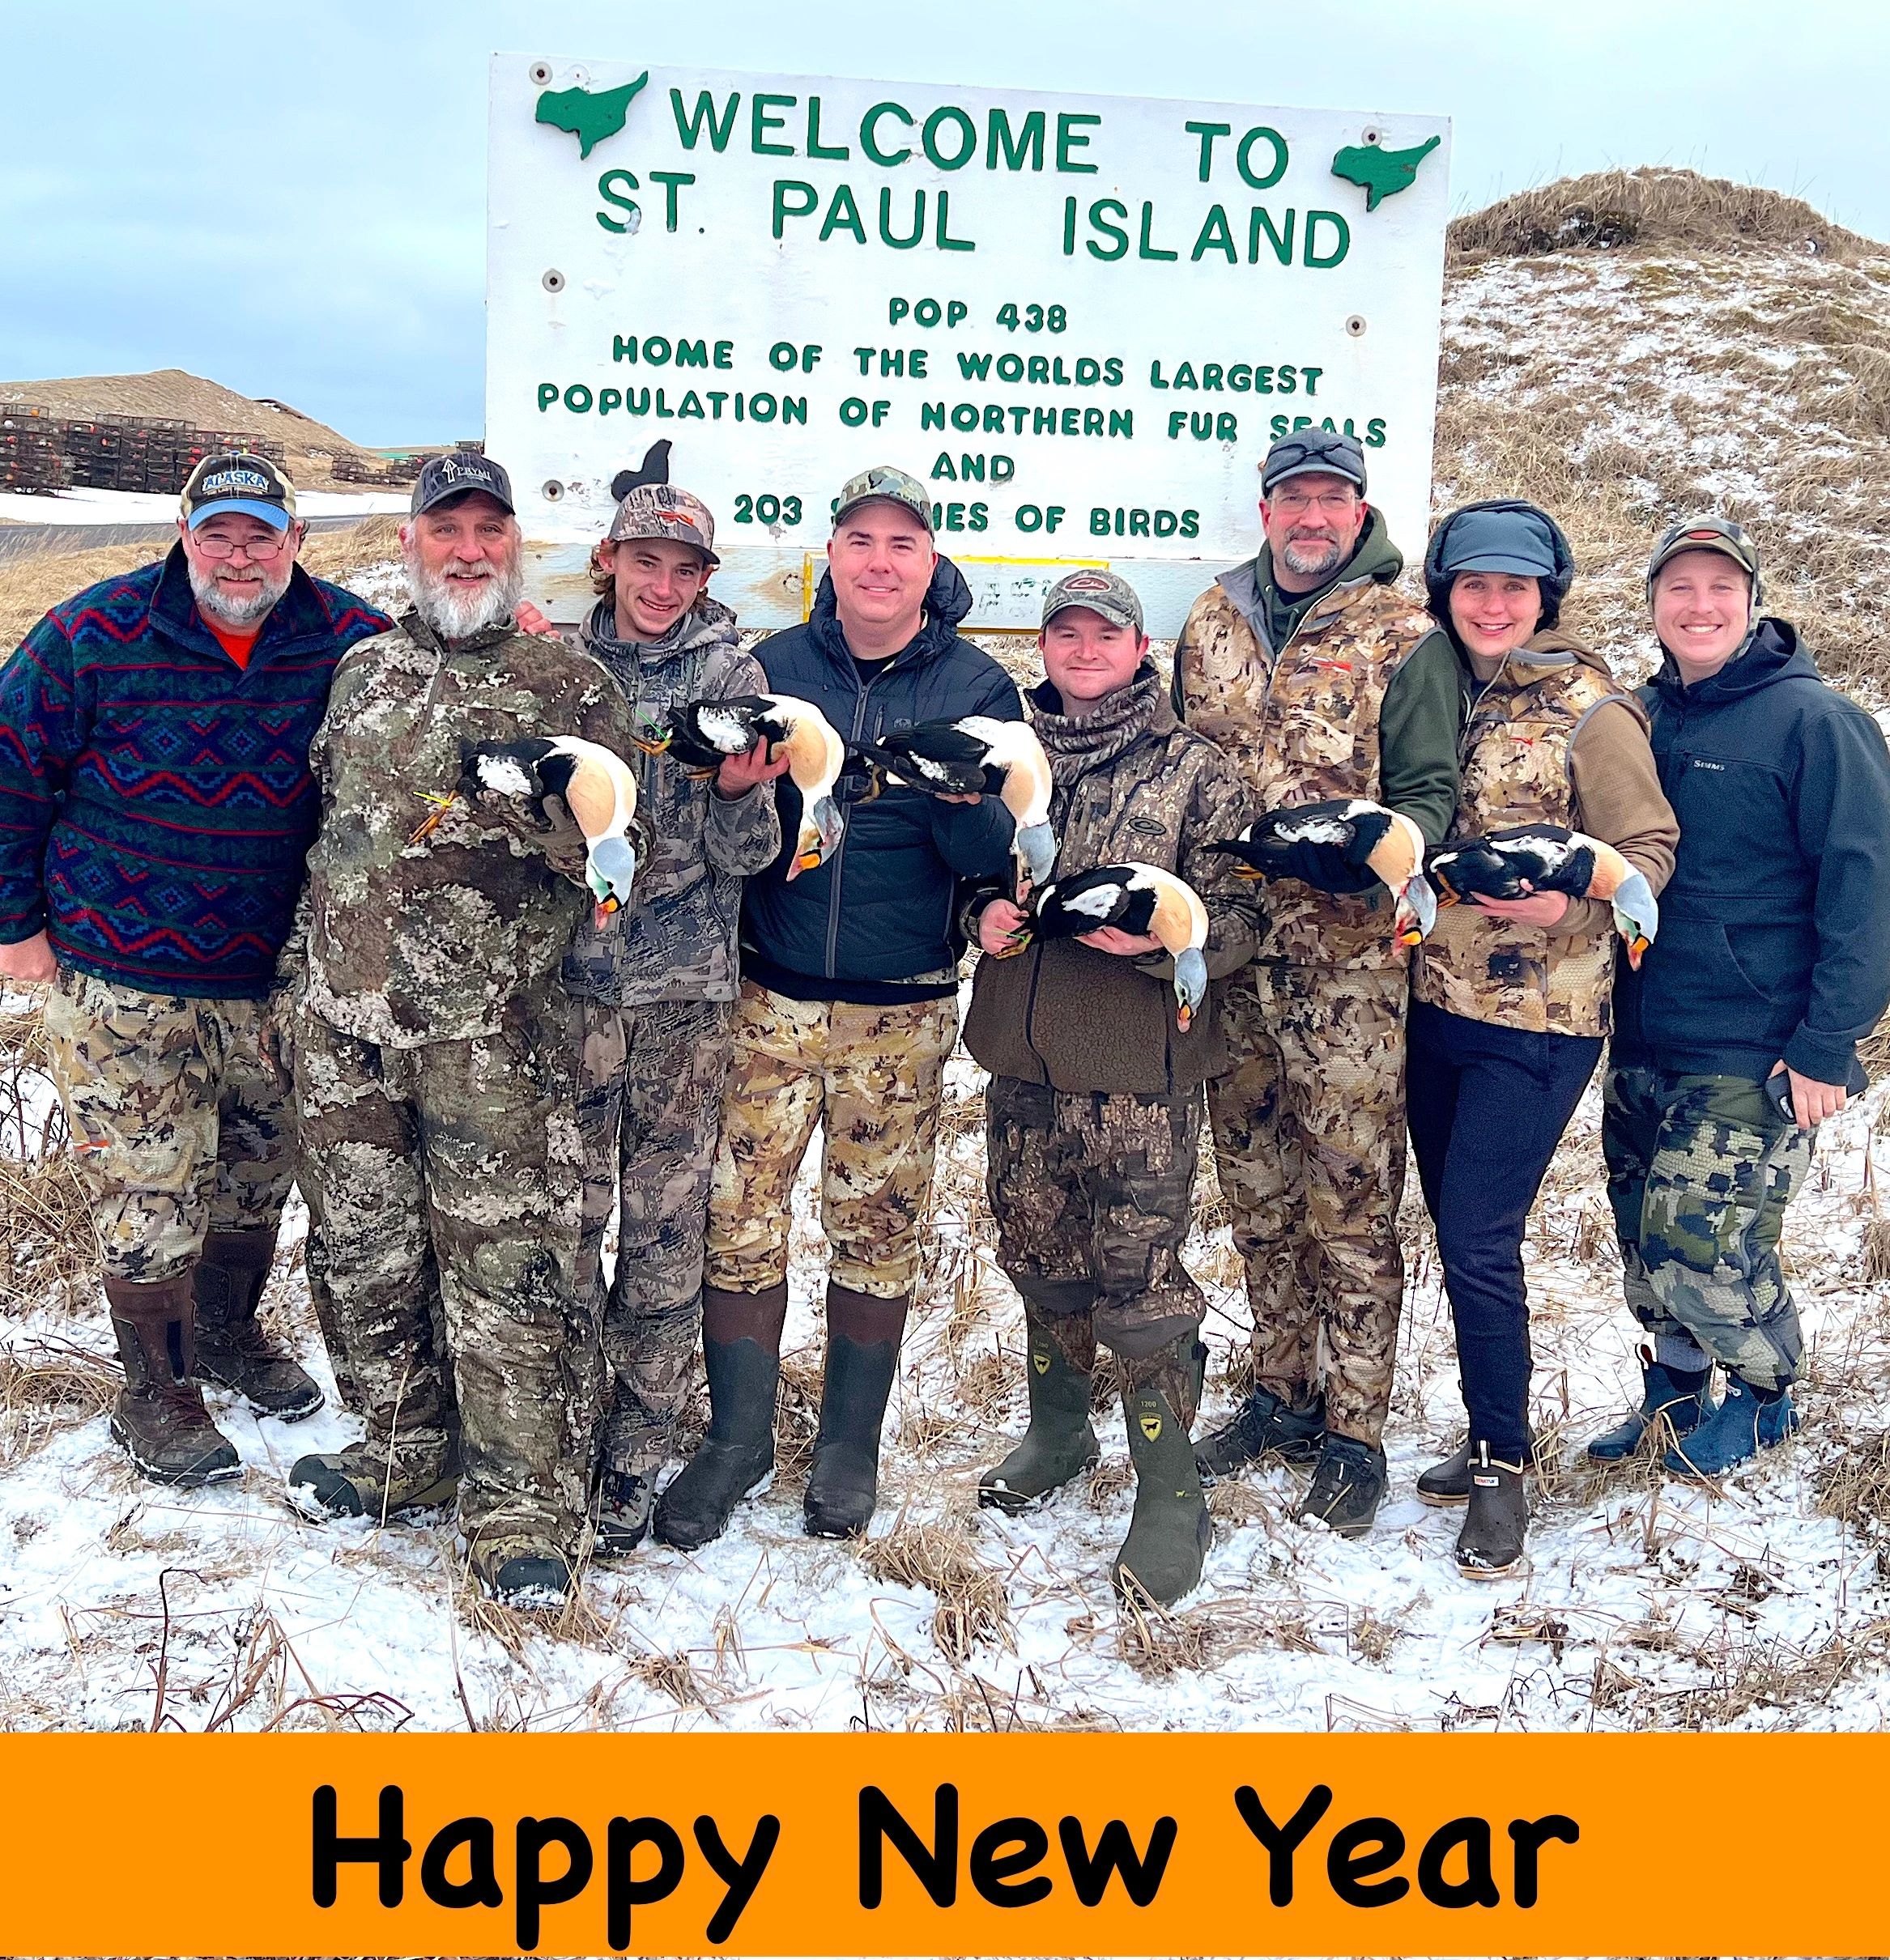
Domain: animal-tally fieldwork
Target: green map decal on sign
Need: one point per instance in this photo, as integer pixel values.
(589, 117)
(1380, 173)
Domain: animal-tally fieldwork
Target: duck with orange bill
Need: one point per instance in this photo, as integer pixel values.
(597, 787)
(1531, 857)
(702, 735)
(1141, 901)
(977, 756)
(1345, 844)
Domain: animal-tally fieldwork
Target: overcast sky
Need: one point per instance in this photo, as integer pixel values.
(291, 200)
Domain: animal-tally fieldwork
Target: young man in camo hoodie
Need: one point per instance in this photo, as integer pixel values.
(1094, 1112)
(653, 988)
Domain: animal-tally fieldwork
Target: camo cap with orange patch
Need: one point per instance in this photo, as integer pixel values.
(660, 510)
(1102, 591)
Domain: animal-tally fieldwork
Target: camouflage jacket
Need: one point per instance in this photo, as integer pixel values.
(404, 941)
(1131, 783)
(1519, 767)
(1300, 723)
(676, 942)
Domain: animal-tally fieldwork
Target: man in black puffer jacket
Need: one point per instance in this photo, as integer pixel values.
(848, 1010)
(1738, 1034)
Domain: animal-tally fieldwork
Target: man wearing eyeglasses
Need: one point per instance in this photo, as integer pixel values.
(155, 807)
(1321, 680)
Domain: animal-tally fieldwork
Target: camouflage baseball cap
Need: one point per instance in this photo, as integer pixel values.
(1102, 591)
(1706, 533)
(660, 510)
(237, 481)
(895, 485)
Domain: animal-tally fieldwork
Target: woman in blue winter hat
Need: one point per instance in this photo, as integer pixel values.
(1512, 994)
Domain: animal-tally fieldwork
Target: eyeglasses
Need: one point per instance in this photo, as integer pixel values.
(261, 552)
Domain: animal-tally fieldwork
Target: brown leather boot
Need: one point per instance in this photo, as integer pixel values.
(232, 1348)
(159, 1420)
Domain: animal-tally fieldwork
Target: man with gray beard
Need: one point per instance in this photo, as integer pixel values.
(155, 804)
(434, 1059)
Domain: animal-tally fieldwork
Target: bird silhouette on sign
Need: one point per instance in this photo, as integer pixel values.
(589, 117)
(653, 469)
(1379, 172)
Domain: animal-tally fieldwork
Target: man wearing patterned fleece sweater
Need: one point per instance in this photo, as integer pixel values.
(155, 807)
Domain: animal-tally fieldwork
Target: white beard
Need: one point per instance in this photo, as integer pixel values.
(254, 602)
(458, 608)
(1308, 557)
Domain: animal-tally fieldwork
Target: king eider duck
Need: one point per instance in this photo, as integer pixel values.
(702, 735)
(1512, 864)
(976, 756)
(1133, 898)
(1385, 841)
(598, 787)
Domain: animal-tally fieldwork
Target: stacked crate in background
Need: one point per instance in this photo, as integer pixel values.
(33, 456)
(39, 450)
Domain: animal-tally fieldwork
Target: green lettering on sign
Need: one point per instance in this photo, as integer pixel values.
(589, 117)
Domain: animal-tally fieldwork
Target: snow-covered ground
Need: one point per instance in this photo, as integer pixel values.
(93, 506)
(1650, 1604)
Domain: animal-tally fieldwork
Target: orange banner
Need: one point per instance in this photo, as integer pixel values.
(943, 1844)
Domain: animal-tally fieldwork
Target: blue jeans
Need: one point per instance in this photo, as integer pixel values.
(1486, 1106)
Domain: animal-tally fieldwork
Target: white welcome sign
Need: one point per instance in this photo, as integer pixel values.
(1080, 319)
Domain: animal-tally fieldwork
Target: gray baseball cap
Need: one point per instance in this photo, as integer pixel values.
(453, 475)
(1314, 453)
(895, 485)
(1102, 591)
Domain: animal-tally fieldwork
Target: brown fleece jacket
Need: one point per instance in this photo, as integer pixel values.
(1130, 784)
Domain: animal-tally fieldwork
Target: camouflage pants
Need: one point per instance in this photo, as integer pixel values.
(648, 1107)
(1701, 1169)
(1309, 1137)
(1091, 1194)
(178, 1128)
(447, 1180)
(872, 1076)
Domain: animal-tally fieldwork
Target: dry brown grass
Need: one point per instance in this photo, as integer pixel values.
(47, 1251)
(937, 1557)
(1653, 206)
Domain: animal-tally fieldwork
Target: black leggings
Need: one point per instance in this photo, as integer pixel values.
(1487, 1106)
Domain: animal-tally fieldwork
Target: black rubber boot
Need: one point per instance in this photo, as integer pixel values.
(862, 1357)
(1170, 1532)
(741, 1355)
(1264, 1425)
(1348, 1486)
(1060, 1443)
(1679, 1396)
(1447, 1481)
(159, 1420)
(1491, 1544)
(232, 1348)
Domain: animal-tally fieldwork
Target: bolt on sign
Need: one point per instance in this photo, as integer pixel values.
(1079, 319)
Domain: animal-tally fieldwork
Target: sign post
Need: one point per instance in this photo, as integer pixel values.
(1080, 319)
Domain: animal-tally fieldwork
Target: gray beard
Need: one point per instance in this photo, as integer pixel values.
(1307, 559)
(216, 601)
(456, 614)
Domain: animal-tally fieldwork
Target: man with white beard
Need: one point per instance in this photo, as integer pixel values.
(434, 1053)
(155, 804)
